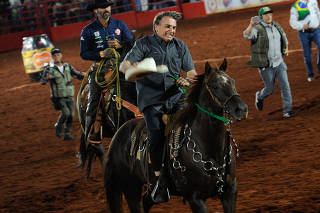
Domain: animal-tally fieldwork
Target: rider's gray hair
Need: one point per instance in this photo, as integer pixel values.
(157, 19)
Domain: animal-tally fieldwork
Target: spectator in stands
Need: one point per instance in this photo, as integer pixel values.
(16, 21)
(59, 11)
(60, 74)
(84, 14)
(305, 17)
(29, 14)
(5, 16)
(73, 11)
(96, 43)
(122, 6)
(268, 43)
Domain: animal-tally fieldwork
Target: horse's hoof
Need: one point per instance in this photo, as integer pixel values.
(80, 165)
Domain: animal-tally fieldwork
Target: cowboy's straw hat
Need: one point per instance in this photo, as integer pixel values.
(145, 67)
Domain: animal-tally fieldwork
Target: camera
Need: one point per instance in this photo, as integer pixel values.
(256, 19)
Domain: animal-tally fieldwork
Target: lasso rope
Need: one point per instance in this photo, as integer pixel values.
(85, 79)
(105, 84)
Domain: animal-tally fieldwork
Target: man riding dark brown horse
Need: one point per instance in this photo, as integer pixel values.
(99, 39)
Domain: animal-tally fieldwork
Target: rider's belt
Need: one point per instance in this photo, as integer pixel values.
(310, 30)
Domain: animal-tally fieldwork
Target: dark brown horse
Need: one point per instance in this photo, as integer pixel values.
(200, 158)
(112, 117)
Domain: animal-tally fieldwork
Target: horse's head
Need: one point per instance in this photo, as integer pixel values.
(222, 91)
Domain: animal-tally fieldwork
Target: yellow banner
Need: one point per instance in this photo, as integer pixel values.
(34, 60)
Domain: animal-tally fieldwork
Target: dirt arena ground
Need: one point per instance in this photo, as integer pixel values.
(279, 165)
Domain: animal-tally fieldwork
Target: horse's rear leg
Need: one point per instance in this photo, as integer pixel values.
(147, 202)
(197, 205)
(133, 196)
(82, 155)
(113, 189)
(229, 197)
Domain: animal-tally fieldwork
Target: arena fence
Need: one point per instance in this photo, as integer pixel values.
(65, 19)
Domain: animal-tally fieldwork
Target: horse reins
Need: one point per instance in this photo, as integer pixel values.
(222, 105)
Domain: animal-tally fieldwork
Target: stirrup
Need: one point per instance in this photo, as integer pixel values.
(164, 195)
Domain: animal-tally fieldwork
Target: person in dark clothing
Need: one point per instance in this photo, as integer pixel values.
(158, 93)
(98, 39)
(60, 74)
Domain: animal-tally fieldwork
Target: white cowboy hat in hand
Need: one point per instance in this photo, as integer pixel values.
(145, 67)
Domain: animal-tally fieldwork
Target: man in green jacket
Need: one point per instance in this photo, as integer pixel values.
(60, 74)
(268, 44)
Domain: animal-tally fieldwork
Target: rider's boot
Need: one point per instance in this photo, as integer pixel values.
(88, 124)
(99, 149)
(160, 192)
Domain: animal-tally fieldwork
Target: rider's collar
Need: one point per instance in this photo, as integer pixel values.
(161, 40)
(99, 23)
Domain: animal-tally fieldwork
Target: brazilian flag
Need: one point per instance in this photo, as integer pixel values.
(302, 9)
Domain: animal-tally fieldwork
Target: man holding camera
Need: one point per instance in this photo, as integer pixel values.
(98, 39)
(60, 74)
(268, 44)
(305, 17)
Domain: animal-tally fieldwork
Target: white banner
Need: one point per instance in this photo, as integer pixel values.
(217, 6)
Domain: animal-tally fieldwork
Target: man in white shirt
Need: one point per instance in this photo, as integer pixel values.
(305, 17)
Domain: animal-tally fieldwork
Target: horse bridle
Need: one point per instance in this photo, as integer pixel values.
(224, 103)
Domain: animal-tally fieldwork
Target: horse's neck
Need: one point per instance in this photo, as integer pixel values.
(211, 131)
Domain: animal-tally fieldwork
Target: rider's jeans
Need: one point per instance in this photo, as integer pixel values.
(306, 39)
(155, 129)
(268, 75)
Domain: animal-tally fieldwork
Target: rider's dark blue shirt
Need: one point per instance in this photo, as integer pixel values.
(94, 37)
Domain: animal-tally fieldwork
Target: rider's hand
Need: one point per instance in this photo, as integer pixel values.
(183, 82)
(107, 53)
(114, 44)
(306, 26)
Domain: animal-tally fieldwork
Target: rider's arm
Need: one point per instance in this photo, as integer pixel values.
(136, 54)
(192, 76)
(124, 66)
(87, 53)
(126, 33)
(187, 61)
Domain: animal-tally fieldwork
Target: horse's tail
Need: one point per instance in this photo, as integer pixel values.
(86, 155)
(113, 190)
(82, 151)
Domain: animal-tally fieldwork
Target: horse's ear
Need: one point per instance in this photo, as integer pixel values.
(223, 66)
(207, 68)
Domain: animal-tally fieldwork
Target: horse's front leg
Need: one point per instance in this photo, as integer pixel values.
(229, 197)
(197, 205)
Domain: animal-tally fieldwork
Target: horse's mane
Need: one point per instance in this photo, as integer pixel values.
(188, 113)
